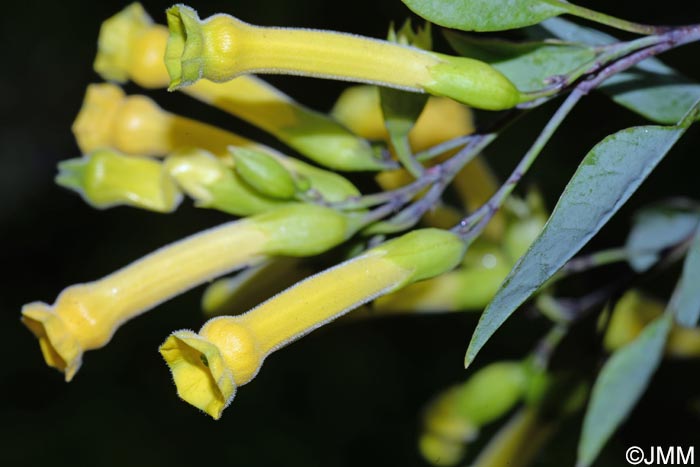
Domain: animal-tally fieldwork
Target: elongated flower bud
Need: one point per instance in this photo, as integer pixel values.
(85, 316)
(456, 415)
(136, 125)
(213, 184)
(223, 47)
(264, 173)
(228, 351)
(107, 178)
(131, 46)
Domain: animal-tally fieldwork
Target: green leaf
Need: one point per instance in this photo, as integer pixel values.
(656, 229)
(651, 89)
(609, 174)
(619, 386)
(486, 15)
(686, 298)
(527, 64)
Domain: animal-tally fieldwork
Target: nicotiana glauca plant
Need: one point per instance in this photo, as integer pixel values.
(438, 233)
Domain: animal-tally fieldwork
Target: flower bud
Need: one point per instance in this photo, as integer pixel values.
(214, 185)
(130, 46)
(491, 392)
(263, 173)
(136, 125)
(106, 178)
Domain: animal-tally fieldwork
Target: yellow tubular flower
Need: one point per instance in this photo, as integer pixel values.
(136, 125)
(223, 47)
(85, 316)
(131, 46)
(107, 178)
(228, 351)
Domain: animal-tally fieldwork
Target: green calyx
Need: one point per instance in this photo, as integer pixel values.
(472, 82)
(304, 229)
(183, 52)
(264, 173)
(331, 186)
(427, 252)
(491, 392)
(330, 144)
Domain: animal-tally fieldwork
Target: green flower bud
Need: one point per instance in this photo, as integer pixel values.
(331, 186)
(491, 392)
(212, 184)
(264, 173)
(439, 451)
(106, 178)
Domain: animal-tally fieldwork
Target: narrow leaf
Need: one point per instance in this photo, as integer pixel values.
(486, 15)
(609, 174)
(656, 229)
(686, 298)
(651, 89)
(619, 386)
(527, 64)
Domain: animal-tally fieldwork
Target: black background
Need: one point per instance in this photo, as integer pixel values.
(346, 395)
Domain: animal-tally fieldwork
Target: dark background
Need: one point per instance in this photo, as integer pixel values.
(346, 395)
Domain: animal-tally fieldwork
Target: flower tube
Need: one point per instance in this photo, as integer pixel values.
(85, 316)
(136, 125)
(106, 178)
(223, 47)
(131, 46)
(228, 351)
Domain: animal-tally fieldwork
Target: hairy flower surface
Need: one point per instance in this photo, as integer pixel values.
(85, 316)
(228, 351)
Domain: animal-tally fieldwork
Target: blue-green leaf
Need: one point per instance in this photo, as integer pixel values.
(486, 15)
(651, 89)
(620, 384)
(609, 174)
(686, 298)
(656, 229)
(527, 64)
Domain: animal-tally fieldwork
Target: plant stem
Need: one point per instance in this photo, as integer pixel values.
(444, 174)
(612, 21)
(471, 226)
(442, 148)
